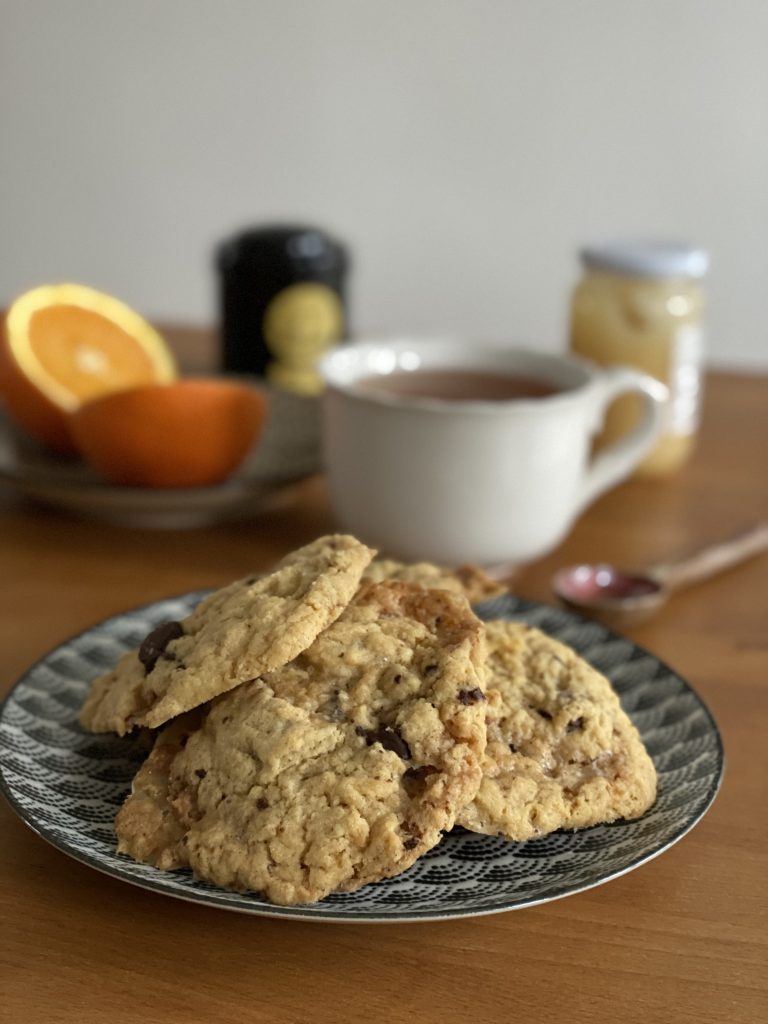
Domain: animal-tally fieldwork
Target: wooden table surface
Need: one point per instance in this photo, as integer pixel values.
(683, 938)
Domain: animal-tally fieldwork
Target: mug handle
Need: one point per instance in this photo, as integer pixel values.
(618, 460)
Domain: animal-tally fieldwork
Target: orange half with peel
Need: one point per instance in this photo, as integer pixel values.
(66, 344)
(191, 433)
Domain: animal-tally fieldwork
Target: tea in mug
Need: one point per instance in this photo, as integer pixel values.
(458, 385)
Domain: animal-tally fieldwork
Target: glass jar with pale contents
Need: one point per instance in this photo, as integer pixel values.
(641, 304)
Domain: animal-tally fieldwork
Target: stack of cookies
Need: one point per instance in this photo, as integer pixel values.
(322, 727)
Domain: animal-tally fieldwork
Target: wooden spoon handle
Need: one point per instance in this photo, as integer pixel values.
(713, 559)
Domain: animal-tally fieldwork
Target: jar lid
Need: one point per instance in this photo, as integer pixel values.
(304, 248)
(647, 259)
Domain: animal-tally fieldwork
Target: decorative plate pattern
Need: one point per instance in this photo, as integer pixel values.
(67, 784)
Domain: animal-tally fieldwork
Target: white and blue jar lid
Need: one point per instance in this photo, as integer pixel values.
(647, 258)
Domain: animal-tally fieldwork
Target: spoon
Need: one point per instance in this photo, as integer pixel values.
(617, 596)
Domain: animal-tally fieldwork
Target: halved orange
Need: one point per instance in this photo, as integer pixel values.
(65, 344)
(192, 433)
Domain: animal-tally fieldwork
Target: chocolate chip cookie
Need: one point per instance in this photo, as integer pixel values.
(338, 769)
(470, 580)
(561, 751)
(248, 628)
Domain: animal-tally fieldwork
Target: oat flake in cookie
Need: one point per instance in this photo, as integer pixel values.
(237, 633)
(561, 751)
(339, 769)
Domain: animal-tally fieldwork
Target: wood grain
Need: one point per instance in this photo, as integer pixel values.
(683, 939)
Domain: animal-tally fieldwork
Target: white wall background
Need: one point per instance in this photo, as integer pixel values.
(463, 148)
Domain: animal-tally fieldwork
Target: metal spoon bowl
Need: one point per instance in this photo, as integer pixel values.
(620, 597)
(610, 593)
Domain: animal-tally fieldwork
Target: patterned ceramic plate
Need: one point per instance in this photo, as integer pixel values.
(67, 784)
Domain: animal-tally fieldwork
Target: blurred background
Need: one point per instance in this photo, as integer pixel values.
(463, 149)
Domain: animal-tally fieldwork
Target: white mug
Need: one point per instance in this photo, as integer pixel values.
(483, 480)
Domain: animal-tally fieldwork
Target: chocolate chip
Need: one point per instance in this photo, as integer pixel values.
(262, 803)
(155, 643)
(576, 723)
(411, 843)
(413, 781)
(544, 714)
(390, 739)
(398, 678)
(513, 748)
(429, 669)
(471, 696)
(200, 773)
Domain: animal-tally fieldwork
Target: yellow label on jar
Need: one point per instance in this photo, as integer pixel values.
(301, 323)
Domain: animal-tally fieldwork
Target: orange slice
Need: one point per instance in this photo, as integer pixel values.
(66, 344)
(193, 433)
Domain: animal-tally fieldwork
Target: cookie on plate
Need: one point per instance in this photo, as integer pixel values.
(561, 751)
(237, 633)
(339, 769)
(156, 835)
(470, 580)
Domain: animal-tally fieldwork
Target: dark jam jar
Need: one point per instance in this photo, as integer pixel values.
(282, 303)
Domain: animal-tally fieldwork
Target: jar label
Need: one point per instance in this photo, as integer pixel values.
(301, 323)
(685, 380)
